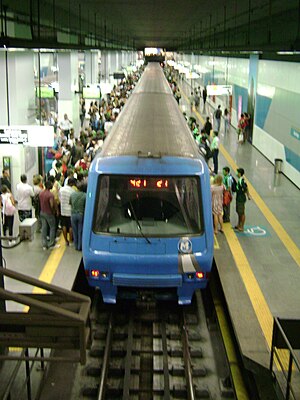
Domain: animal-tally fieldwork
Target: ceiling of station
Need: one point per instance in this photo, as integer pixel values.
(181, 25)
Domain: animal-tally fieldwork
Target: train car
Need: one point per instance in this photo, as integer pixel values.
(148, 218)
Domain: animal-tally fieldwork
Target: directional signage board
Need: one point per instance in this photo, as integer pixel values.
(219, 90)
(13, 136)
(28, 135)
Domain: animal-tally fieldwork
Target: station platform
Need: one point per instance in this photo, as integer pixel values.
(58, 266)
(259, 268)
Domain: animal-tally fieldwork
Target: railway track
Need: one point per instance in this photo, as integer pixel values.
(163, 352)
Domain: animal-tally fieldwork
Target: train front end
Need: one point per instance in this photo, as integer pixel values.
(149, 229)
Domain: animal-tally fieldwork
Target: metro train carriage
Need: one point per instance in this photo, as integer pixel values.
(148, 218)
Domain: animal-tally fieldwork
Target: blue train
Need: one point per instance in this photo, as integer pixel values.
(148, 219)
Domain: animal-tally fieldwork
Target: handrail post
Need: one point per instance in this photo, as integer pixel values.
(289, 377)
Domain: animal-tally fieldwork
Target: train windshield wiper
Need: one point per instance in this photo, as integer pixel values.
(137, 222)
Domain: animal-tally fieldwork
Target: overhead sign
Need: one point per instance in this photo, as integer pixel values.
(219, 90)
(46, 92)
(13, 136)
(119, 75)
(29, 135)
(91, 92)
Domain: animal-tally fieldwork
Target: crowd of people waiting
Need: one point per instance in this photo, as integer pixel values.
(223, 186)
(58, 198)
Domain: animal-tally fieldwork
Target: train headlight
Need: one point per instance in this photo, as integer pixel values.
(199, 275)
(96, 274)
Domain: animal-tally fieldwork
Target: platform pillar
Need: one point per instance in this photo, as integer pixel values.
(17, 98)
(113, 62)
(91, 67)
(68, 100)
(105, 60)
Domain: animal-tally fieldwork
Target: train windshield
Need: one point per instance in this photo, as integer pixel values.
(148, 206)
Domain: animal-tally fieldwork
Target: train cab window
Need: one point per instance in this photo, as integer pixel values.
(157, 206)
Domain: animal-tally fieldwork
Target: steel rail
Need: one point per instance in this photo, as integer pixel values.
(128, 360)
(187, 360)
(167, 395)
(105, 365)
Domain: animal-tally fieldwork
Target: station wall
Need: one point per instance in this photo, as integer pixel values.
(276, 128)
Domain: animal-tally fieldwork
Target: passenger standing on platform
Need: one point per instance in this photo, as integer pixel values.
(226, 120)
(215, 150)
(177, 95)
(38, 187)
(192, 101)
(77, 201)
(217, 190)
(56, 168)
(207, 127)
(24, 197)
(204, 95)
(65, 209)
(8, 210)
(66, 125)
(247, 126)
(48, 213)
(227, 198)
(5, 180)
(197, 99)
(82, 112)
(241, 128)
(241, 193)
(217, 118)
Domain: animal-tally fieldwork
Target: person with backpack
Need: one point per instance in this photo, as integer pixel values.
(8, 210)
(227, 195)
(207, 126)
(242, 193)
(217, 119)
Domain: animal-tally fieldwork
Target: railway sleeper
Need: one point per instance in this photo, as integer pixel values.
(180, 392)
(178, 352)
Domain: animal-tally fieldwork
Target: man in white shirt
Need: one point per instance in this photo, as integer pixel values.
(24, 195)
(65, 125)
(65, 209)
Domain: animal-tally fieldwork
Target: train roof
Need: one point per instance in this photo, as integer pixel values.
(151, 123)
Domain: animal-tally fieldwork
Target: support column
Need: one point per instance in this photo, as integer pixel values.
(17, 105)
(68, 100)
(3, 89)
(17, 88)
(105, 65)
(113, 62)
(91, 67)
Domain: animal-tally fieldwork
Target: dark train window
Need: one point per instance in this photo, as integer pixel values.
(155, 206)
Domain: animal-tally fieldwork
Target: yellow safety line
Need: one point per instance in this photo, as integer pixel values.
(216, 243)
(238, 382)
(258, 301)
(287, 241)
(290, 245)
(51, 265)
(50, 268)
(256, 296)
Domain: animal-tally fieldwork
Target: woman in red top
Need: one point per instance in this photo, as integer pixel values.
(83, 164)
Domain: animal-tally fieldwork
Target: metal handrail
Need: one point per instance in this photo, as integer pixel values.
(293, 360)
